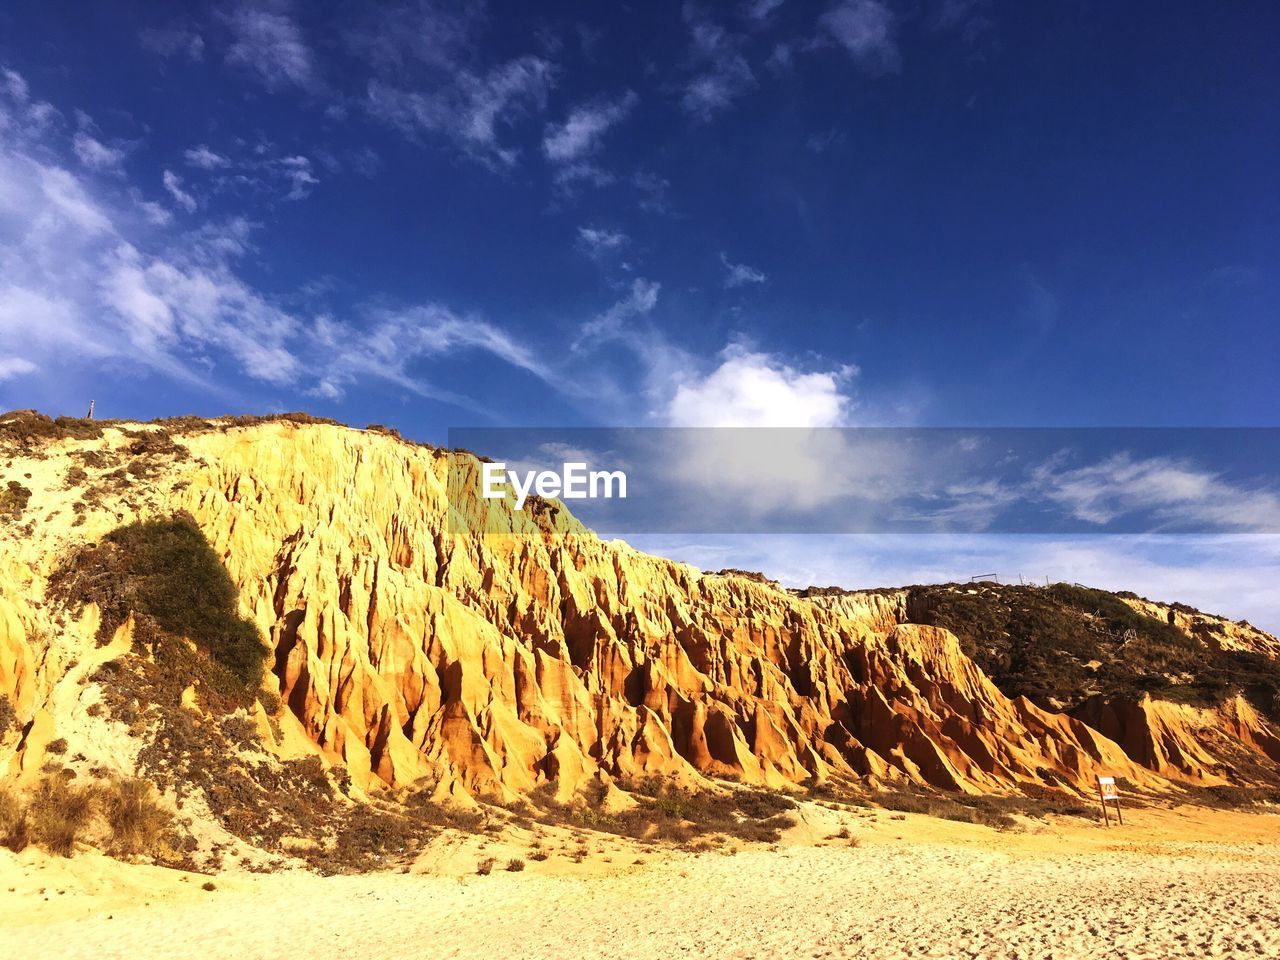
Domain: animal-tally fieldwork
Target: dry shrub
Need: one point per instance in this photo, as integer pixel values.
(10, 814)
(8, 716)
(485, 866)
(135, 819)
(989, 811)
(13, 499)
(515, 865)
(27, 426)
(124, 816)
(58, 813)
(666, 811)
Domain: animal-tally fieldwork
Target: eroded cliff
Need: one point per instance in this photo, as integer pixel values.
(489, 665)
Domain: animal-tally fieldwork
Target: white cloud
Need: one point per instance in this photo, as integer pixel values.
(641, 298)
(969, 18)
(1175, 491)
(155, 214)
(297, 170)
(569, 177)
(85, 277)
(48, 325)
(205, 159)
(472, 111)
(11, 367)
(761, 9)
(723, 74)
(437, 34)
(164, 303)
(866, 29)
(597, 241)
(750, 389)
(22, 118)
(173, 184)
(269, 44)
(261, 167)
(805, 468)
(653, 191)
(387, 347)
(66, 194)
(16, 86)
(172, 41)
(581, 132)
(739, 274)
(95, 154)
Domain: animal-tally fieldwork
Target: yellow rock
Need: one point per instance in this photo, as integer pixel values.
(489, 664)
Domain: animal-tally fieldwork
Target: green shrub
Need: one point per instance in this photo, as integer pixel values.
(181, 583)
(1067, 643)
(166, 575)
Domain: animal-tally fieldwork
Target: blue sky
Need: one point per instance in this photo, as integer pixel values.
(862, 212)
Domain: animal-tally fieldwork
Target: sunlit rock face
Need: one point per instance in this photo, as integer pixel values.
(488, 665)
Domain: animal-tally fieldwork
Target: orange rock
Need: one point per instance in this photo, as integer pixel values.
(489, 664)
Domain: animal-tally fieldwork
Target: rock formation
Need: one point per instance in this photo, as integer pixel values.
(488, 665)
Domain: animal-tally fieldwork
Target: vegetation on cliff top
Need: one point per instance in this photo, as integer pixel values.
(1066, 643)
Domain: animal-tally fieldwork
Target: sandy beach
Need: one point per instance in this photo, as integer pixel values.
(1182, 883)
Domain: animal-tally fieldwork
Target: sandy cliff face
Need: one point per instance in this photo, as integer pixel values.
(490, 665)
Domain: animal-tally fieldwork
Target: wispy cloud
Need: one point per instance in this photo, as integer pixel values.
(11, 367)
(867, 30)
(1177, 491)
(722, 73)
(581, 132)
(262, 167)
(95, 154)
(474, 110)
(173, 40)
(640, 299)
(597, 241)
(170, 304)
(269, 44)
(395, 340)
(297, 170)
(739, 274)
(761, 9)
(968, 18)
(398, 37)
(85, 277)
(173, 184)
(203, 158)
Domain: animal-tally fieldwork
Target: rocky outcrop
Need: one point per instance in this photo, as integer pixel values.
(491, 664)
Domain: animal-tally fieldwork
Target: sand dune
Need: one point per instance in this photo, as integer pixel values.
(1173, 884)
